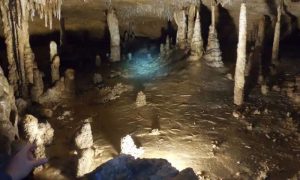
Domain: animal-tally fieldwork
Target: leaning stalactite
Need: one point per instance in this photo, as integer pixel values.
(275, 50)
(241, 58)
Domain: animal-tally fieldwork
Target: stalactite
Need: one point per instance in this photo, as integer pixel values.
(275, 50)
(191, 22)
(113, 25)
(180, 20)
(197, 42)
(13, 76)
(241, 58)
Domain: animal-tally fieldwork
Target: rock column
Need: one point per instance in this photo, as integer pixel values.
(180, 20)
(113, 25)
(197, 42)
(275, 50)
(191, 23)
(241, 58)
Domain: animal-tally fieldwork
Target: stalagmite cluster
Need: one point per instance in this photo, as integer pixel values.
(180, 20)
(113, 25)
(40, 134)
(197, 42)
(84, 142)
(241, 58)
(8, 115)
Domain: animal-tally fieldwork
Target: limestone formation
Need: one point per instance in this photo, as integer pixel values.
(53, 50)
(180, 20)
(55, 69)
(97, 79)
(13, 75)
(141, 99)
(213, 54)
(38, 85)
(129, 56)
(162, 50)
(128, 147)
(8, 115)
(259, 44)
(113, 25)
(84, 137)
(40, 134)
(241, 58)
(191, 23)
(168, 44)
(69, 81)
(84, 142)
(197, 42)
(98, 60)
(275, 50)
(85, 162)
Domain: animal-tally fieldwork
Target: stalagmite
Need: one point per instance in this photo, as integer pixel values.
(259, 44)
(162, 50)
(168, 44)
(84, 142)
(69, 81)
(191, 23)
(128, 147)
(53, 50)
(98, 60)
(180, 20)
(9, 115)
(275, 50)
(141, 99)
(62, 31)
(55, 69)
(213, 54)
(241, 58)
(38, 85)
(197, 42)
(40, 134)
(113, 25)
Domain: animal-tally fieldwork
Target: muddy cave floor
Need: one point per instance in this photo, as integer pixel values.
(192, 108)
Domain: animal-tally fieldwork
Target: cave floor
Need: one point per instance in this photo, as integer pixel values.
(192, 108)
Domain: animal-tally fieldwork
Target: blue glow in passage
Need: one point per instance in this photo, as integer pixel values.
(144, 64)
